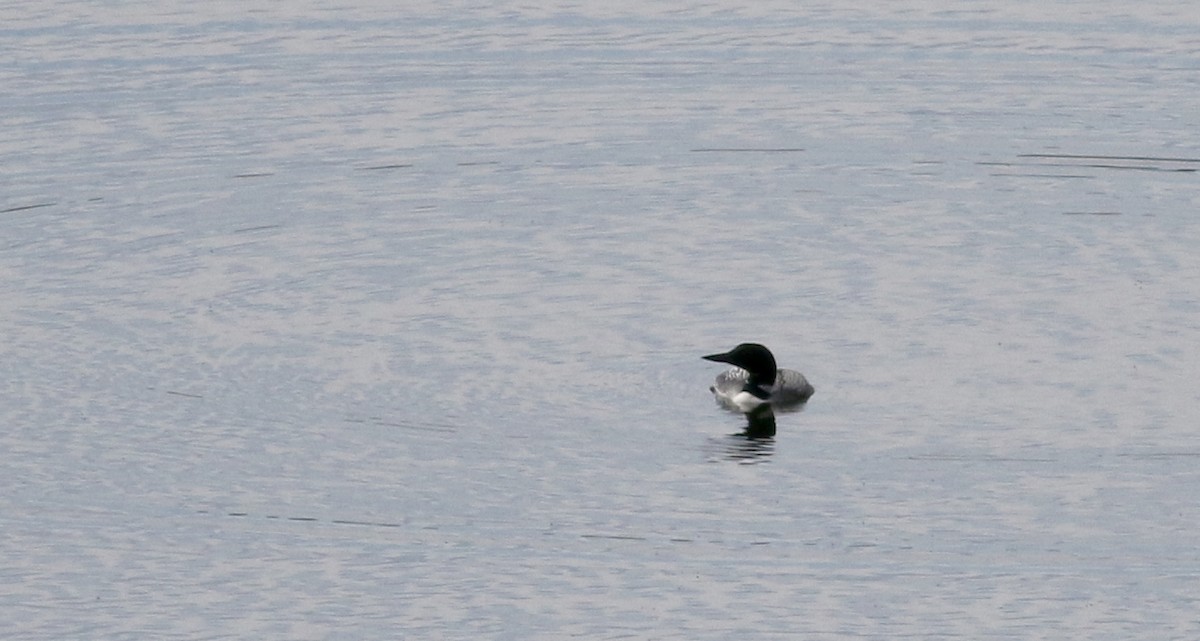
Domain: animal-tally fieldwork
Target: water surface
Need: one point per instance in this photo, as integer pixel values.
(359, 322)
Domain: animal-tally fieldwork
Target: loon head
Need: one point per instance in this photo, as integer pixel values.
(752, 357)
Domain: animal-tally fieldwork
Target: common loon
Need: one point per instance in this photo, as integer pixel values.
(754, 380)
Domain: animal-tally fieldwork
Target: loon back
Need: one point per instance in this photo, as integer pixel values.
(790, 388)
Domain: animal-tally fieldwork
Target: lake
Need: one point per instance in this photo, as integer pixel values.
(366, 321)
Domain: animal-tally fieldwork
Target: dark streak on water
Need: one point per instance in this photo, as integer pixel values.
(761, 150)
(26, 207)
(256, 228)
(388, 166)
(1101, 157)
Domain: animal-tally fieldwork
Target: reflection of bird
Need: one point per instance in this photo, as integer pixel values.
(754, 380)
(760, 423)
(750, 447)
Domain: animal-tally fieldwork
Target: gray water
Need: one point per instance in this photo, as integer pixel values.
(365, 322)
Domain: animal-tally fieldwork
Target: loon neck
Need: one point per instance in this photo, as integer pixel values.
(755, 388)
(759, 379)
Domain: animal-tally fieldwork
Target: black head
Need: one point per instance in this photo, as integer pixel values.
(753, 358)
